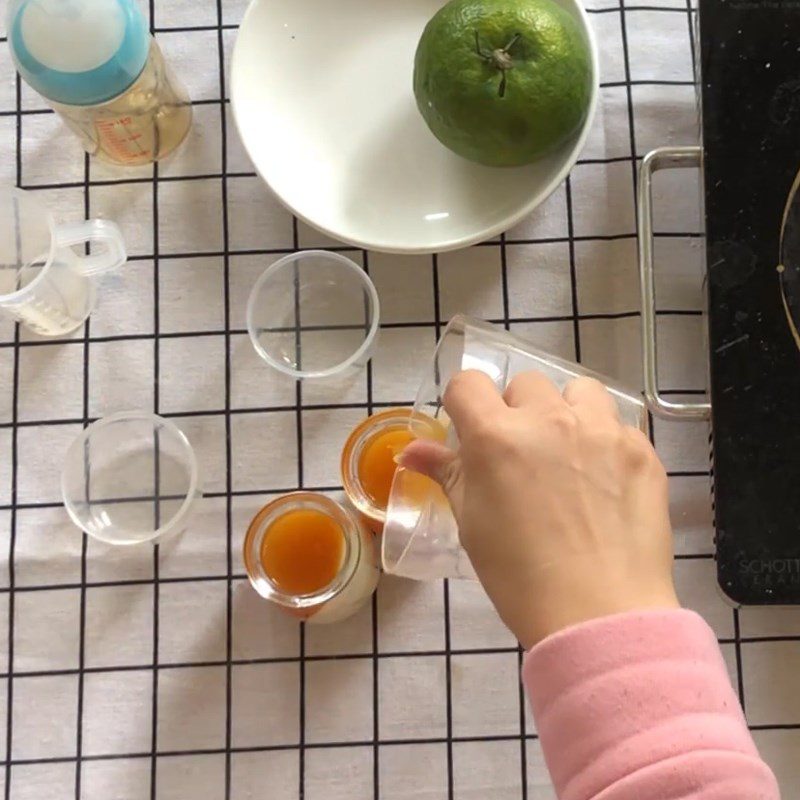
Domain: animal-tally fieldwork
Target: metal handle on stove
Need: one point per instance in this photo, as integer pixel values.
(662, 158)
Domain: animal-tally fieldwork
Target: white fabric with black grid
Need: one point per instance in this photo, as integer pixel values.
(126, 675)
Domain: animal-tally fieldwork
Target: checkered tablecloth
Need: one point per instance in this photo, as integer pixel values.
(127, 674)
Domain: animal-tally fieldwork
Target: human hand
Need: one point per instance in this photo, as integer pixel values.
(562, 509)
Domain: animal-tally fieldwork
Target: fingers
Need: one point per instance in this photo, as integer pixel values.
(533, 391)
(591, 400)
(471, 398)
(424, 461)
(428, 458)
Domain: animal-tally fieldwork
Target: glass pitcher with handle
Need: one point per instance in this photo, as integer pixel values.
(45, 284)
(420, 537)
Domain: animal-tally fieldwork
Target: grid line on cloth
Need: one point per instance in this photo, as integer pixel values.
(14, 475)
(301, 789)
(154, 708)
(340, 745)
(228, 469)
(386, 326)
(523, 748)
(381, 656)
(437, 316)
(84, 538)
(133, 257)
(154, 705)
(376, 779)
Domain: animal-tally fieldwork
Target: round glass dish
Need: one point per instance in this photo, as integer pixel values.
(130, 478)
(314, 314)
(353, 584)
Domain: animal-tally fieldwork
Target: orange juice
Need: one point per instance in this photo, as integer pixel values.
(311, 556)
(377, 465)
(302, 551)
(368, 459)
(368, 462)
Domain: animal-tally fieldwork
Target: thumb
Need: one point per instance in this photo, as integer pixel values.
(432, 459)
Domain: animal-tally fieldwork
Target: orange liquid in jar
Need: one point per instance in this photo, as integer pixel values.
(302, 551)
(376, 464)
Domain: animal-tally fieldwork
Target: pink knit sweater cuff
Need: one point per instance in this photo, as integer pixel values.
(639, 705)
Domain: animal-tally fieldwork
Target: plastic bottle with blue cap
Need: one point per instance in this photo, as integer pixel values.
(97, 65)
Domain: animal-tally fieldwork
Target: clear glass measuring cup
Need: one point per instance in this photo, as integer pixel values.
(44, 283)
(420, 537)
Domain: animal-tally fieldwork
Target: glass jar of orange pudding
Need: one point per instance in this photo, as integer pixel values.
(312, 557)
(369, 462)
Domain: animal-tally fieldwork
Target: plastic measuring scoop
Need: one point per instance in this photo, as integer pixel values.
(45, 283)
(420, 537)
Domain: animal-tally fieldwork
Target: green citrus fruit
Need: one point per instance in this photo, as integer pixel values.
(503, 82)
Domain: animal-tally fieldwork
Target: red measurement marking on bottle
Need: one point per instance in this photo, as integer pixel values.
(117, 139)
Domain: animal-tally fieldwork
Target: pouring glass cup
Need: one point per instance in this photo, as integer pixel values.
(420, 536)
(44, 283)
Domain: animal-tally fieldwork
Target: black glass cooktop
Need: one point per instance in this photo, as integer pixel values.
(750, 68)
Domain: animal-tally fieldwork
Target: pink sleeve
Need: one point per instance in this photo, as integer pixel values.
(640, 705)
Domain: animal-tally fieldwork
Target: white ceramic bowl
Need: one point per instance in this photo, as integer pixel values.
(322, 96)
